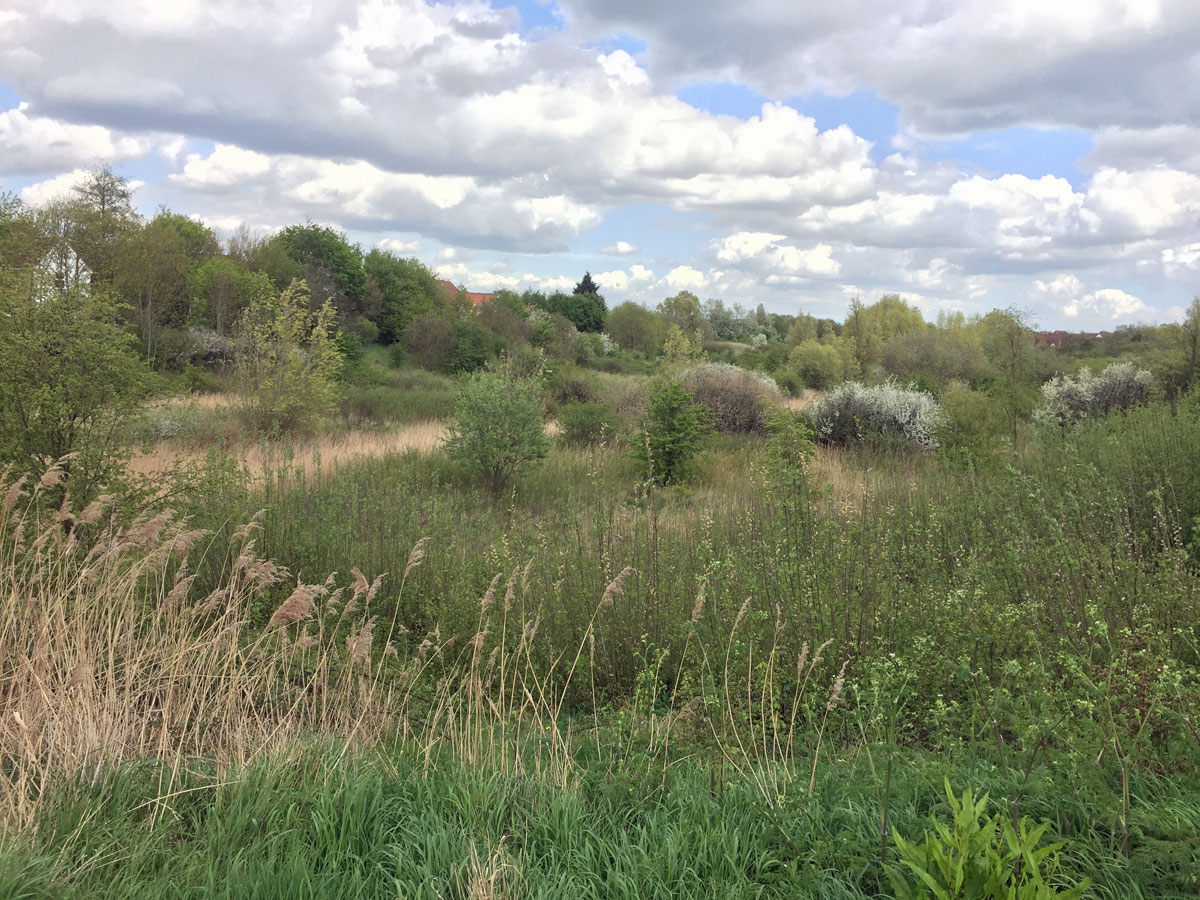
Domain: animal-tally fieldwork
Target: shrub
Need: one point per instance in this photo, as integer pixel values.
(973, 420)
(1066, 398)
(569, 385)
(287, 360)
(736, 399)
(497, 428)
(673, 435)
(429, 339)
(587, 424)
(884, 413)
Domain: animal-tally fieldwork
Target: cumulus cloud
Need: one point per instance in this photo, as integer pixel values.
(950, 67)
(1105, 306)
(768, 253)
(35, 144)
(399, 246)
(620, 248)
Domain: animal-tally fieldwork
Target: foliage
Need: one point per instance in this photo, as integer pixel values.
(397, 290)
(71, 378)
(884, 413)
(737, 400)
(497, 428)
(683, 311)
(823, 364)
(585, 311)
(587, 423)
(473, 346)
(633, 327)
(1066, 398)
(429, 338)
(223, 288)
(673, 434)
(323, 250)
(286, 361)
(979, 858)
(791, 445)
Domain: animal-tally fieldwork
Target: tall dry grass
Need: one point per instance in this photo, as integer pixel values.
(330, 449)
(109, 655)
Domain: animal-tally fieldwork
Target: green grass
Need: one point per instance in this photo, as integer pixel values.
(382, 824)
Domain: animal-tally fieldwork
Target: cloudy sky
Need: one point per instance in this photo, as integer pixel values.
(967, 155)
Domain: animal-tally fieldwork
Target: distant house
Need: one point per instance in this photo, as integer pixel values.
(1060, 339)
(452, 292)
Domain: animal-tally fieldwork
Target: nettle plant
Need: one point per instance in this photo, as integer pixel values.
(857, 413)
(1068, 398)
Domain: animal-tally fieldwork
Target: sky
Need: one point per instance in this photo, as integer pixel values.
(967, 156)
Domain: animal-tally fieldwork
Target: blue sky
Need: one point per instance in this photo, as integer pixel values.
(966, 157)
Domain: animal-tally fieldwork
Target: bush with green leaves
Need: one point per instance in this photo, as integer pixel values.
(71, 378)
(1067, 398)
(287, 362)
(673, 434)
(737, 399)
(587, 424)
(497, 428)
(877, 414)
(979, 858)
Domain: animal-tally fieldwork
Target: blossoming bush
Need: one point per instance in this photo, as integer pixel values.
(736, 399)
(1067, 398)
(884, 413)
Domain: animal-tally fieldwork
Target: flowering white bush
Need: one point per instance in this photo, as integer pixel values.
(853, 412)
(736, 398)
(1066, 398)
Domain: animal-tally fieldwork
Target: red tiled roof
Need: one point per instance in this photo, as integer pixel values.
(1061, 338)
(476, 298)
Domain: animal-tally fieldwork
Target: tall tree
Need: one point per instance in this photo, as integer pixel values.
(1008, 344)
(103, 214)
(334, 266)
(398, 290)
(586, 285)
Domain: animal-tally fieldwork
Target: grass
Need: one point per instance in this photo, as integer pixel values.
(320, 823)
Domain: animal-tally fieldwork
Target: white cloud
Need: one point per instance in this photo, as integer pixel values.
(400, 247)
(33, 144)
(950, 67)
(620, 248)
(1103, 306)
(686, 278)
(638, 277)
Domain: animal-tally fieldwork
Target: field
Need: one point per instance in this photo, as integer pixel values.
(345, 670)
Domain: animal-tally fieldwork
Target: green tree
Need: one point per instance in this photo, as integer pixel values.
(333, 266)
(223, 288)
(153, 271)
(286, 361)
(819, 366)
(102, 214)
(1191, 344)
(587, 286)
(497, 428)
(684, 310)
(585, 311)
(674, 433)
(398, 290)
(71, 378)
(633, 327)
(1007, 342)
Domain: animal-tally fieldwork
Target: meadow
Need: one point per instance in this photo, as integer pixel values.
(360, 675)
